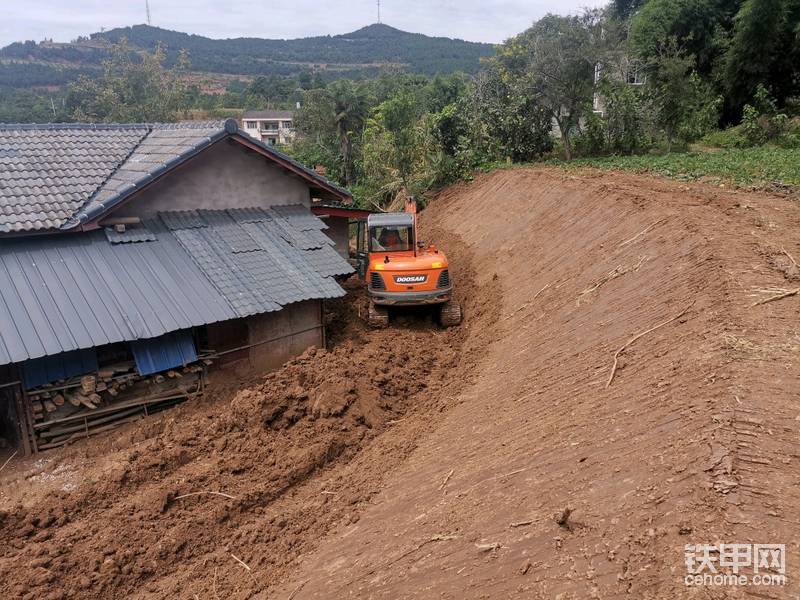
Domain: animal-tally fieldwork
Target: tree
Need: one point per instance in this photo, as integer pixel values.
(765, 49)
(700, 26)
(134, 87)
(685, 105)
(335, 113)
(554, 63)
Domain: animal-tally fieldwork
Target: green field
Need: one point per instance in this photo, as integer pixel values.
(764, 166)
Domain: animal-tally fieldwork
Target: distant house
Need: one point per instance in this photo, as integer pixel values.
(133, 257)
(272, 127)
(618, 68)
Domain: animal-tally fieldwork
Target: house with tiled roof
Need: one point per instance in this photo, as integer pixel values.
(136, 257)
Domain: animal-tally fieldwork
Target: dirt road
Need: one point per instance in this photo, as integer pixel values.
(507, 458)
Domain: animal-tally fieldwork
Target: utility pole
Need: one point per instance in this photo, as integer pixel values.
(147, 6)
(379, 12)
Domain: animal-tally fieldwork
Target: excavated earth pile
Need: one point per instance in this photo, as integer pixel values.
(624, 384)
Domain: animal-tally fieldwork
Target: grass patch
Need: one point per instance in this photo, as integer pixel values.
(764, 166)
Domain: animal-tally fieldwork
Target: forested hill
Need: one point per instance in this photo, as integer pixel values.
(365, 50)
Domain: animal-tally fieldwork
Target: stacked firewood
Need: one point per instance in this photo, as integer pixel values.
(81, 406)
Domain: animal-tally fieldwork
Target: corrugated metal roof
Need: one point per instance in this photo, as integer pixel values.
(65, 292)
(174, 349)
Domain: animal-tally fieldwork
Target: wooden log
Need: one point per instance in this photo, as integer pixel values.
(101, 429)
(58, 400)
(49, 406)
(36, 406)
(95, 398)
(100, 386)
(74, 399)
(88, 383)
(91, 424)
(86, 402)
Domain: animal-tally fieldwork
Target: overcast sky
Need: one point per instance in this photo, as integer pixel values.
(475, 20)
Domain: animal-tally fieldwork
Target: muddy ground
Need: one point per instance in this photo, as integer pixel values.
(420, 463)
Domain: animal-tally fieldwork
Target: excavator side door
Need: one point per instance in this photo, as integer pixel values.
(362, 253)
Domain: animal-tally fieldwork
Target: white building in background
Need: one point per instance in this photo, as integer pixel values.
(272, 127)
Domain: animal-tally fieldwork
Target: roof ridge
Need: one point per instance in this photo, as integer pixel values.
(113, 126)
(74, 220)
(80, 126)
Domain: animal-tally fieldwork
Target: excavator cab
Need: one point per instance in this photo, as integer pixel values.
(399, 270)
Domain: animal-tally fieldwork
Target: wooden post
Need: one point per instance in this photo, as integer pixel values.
(25, 421)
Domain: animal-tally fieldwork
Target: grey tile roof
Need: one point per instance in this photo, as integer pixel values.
(59, 176)
(47, 174)
(132, 234)
(256, 258)
(62, 292)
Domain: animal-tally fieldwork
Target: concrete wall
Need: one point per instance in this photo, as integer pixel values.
(298, 326)
(339, 231)
(224, 176)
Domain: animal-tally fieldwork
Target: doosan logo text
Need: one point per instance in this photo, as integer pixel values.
(410, 278)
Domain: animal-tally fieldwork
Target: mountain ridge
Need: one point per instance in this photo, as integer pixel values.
(359, 53)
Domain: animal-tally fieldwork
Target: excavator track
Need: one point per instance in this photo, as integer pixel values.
(450, 314)
(378, 316)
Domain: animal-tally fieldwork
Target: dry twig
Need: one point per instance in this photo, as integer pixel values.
(639, 335)
(216, 595)
(641, 233)
(536, 295)
(8, 460)
(613, 274)
(777, 297)
(520, 523)
(297, 589)
(446, 479)
(201, 493)
(240, 561)
(488, 547)
(791, 258)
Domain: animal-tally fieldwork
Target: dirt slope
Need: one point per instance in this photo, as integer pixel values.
(694, 440)
(416, 463)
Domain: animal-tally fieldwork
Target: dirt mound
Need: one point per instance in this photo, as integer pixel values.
(561, 476)
(217, 499)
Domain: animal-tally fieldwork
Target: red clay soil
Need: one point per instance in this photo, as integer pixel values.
(506, 458)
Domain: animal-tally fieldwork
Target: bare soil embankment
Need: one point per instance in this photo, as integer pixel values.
(694, 440)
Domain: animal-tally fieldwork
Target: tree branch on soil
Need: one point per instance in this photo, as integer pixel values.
(240, 561)
(296, 590)
(8, 460)
(446, 479)
(202, 493)
(639, 335)
(780, 296)
(640, 234)
(613, 274)
(791, 258)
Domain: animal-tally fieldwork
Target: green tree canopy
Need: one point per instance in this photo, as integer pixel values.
(134, 87)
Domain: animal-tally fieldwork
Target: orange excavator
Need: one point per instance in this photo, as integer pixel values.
(400, 270)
